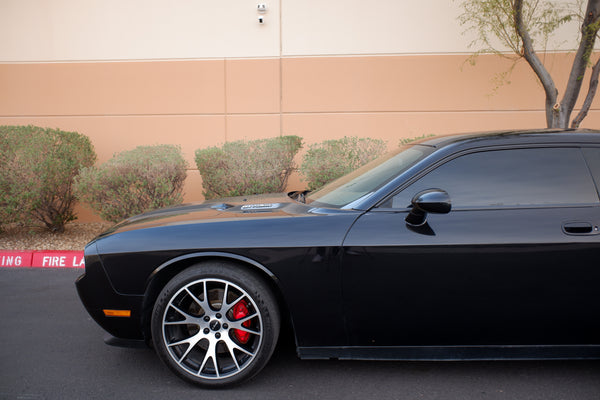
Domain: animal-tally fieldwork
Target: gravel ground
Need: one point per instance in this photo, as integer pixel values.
(75, 237)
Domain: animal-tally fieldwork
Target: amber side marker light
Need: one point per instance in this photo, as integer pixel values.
(117, 313)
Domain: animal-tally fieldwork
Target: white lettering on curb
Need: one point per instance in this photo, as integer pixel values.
(11, 261)
(80, 264)
(48, 261)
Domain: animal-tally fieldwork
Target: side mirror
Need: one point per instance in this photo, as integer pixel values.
(434, 201)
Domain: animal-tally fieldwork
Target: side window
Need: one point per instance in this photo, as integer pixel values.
(510, 178)
(592, 155)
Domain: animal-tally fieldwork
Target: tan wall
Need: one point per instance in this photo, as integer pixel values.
(201, 103)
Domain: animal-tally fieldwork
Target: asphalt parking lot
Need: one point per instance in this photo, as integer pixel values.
(51, 349)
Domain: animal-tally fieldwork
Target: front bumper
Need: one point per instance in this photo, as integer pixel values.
(97, 294)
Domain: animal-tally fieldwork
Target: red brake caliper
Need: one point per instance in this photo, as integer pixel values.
(240, 310)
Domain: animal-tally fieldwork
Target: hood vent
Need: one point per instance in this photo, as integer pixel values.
(260, 207)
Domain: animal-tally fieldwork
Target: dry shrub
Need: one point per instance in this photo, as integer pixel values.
(37, 168)
(331, 159)
(247, 167)
(133, 182)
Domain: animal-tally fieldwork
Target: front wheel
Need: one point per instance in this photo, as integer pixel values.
(215, 324)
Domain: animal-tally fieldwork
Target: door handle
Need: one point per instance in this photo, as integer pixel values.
(579, 228)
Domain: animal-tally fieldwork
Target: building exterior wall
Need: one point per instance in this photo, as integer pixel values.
(198, 73)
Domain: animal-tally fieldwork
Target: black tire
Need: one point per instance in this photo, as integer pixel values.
(215, 311)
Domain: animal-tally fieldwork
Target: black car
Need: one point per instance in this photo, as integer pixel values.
(479, 246)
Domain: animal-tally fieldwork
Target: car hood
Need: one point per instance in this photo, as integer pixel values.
(232, 208)
(241, 222)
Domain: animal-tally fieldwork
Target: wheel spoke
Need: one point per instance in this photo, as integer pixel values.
(228, 344)
(202, 303)
(232, 345)
(226, 306)
(192, 341)
(211, 353)
(184, 322)
(242, 320)
(238, 325)
(187, 351)
(189, 319)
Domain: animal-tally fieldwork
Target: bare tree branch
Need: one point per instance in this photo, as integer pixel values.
(586, 45)
(536, 64)
(590, 96)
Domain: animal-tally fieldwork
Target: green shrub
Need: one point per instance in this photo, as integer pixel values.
(247, 167)
(328, 160)
(133, 182)
(37, 167)
(410, 140)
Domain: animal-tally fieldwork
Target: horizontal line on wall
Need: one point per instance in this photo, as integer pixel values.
(283, 113)
(116, 115)
(135, 60)
(284, 56)
(423, 112)
(408, 112)
(417, 54)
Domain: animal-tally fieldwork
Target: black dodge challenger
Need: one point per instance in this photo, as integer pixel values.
(478, 246)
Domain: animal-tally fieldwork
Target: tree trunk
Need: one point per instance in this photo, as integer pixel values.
(590, 96)
(537, 66)
(589, 30)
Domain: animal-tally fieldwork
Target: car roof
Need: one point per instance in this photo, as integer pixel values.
(529, 136)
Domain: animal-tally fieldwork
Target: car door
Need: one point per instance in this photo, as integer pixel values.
(515, 262)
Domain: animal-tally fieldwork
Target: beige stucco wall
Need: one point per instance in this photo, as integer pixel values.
(75, 30)
(198, 74)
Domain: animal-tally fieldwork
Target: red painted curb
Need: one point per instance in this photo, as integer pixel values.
(42, 259)
(15, 258)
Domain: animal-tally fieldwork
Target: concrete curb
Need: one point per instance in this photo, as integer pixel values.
(41, 259)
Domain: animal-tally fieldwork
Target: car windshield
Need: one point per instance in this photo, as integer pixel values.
(349, 190)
